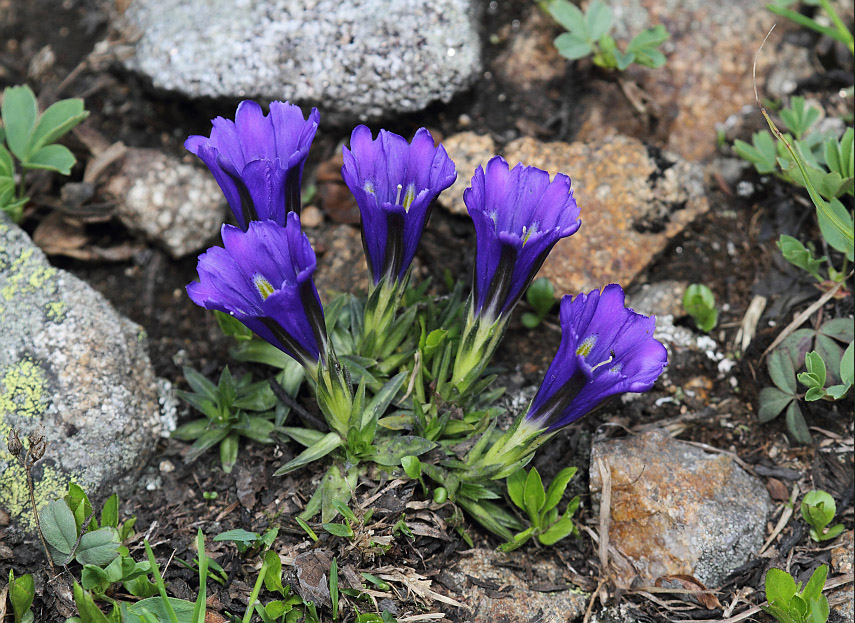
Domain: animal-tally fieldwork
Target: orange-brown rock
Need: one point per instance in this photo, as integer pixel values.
(633, 200)
(676, 509)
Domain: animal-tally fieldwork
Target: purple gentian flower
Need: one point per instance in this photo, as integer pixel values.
(258, 159)
(263, 277)
(395, 184)
(519, 215)
(606, 349)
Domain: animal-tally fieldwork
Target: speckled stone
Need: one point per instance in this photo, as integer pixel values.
(177, 205)
(467, 150)
(708, 75)
(633, 200)
(341, 261)
(530, 60)
(354, 58)
(512, 600)
(74, 369)
(663, 298)
(843, 561)
(676, 509)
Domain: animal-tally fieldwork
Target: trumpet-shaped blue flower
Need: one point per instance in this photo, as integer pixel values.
(606, 349)
(263, 277)
(395, 184)
(519, 215)
(258, 159)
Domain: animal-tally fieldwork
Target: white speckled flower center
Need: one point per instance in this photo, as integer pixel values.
(264, 287)
(587, 346)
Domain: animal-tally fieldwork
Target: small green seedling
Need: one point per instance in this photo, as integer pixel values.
(815, 377)
(345, 529)
(541, 505)
(588, 34)
(699, 303)
(248, 543)
(541, 296)
(227, 407)
(818, 509)
(22, 590)
(30, 138)
(827, 160)
(800, 256)
(788, 603)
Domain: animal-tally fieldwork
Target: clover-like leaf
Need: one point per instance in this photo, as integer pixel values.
(51, 158)
(19, 112)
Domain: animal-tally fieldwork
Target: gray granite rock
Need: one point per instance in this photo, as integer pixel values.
(496, 593)
(177, 205)
(676, 509)
(354, 58)
(72, 369)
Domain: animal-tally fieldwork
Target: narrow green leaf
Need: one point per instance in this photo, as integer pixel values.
(110, 512)
(557, 487)
(320, 449)
(516, 488)
(89, 612)
(534, 496)
(813, 589)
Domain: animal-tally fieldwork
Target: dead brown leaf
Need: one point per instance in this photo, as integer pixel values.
(699, 593)
(312, 569)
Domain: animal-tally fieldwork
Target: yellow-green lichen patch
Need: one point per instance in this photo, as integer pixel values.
(23, 388)
(14, 496)
(28, 276)
(55, 311)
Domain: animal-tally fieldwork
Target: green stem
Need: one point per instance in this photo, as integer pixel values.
(848, 39)
(255, 591)
(161, 587)
(819, 202)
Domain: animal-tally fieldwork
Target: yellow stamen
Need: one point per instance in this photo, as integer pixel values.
(409, 196)
(368, 187)
(264, 287)
(587, 346)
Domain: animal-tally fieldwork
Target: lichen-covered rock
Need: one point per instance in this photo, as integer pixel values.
(73, 369)
(676, 509)
(176, 205)
(499, 590)
(354, 58)
(633, 200)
